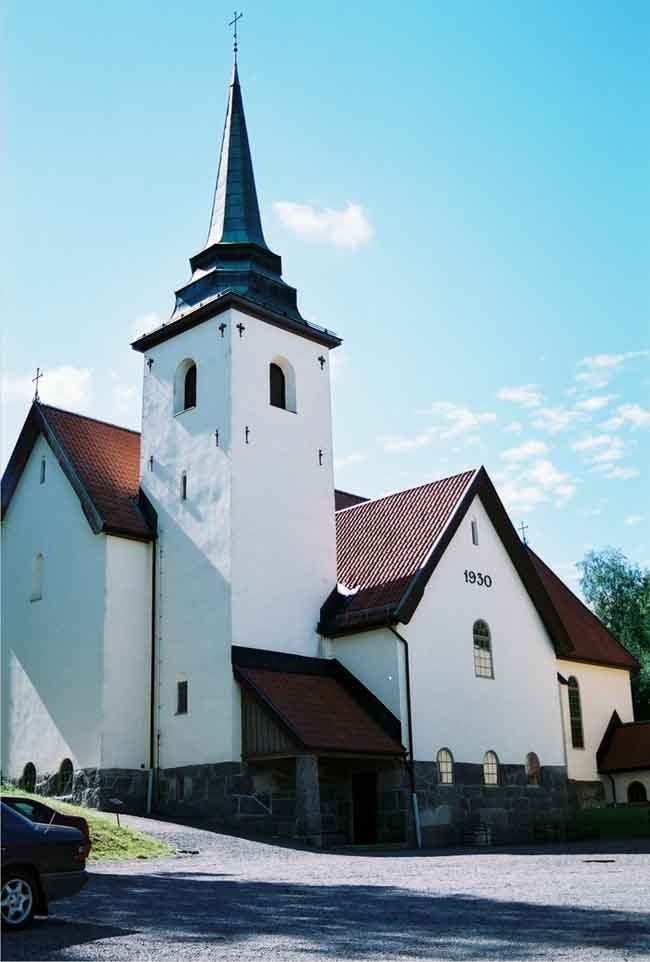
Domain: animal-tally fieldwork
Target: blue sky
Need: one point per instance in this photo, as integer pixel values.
(459, 190)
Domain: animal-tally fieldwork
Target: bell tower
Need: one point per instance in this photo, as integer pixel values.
(236, 458)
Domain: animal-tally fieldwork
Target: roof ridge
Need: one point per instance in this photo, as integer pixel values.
(87, 417)
(415, 487)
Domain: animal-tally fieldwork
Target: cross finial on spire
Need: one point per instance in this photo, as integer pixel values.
(35, 380)
(523, 528)
(233, 24)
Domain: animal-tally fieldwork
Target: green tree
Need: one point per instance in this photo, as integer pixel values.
(619, 593)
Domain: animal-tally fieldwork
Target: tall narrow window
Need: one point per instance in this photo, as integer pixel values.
(184, 486)
(43, 463)
(483, 667)
(277, 386)
(474, 531)
(66, 773)
(575, 714)
(190, 388)
(532, 768)
(28, 781)
(490, 768)
(181, 698)
(37, 578)
(445, 762)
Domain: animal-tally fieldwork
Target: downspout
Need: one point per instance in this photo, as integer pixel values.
(409, 721)
(152, 681)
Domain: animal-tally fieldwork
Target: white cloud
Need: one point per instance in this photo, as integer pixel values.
(614, 451)
(344, 228)
(529, 449)
(633, 519)
(125, 398)
(540, 482)
(66, 386)
(556, 420)
(145, 323)
(355, 458)
(595, 403)
(632, 414)
(591, 441)
(526, 394)
(620, 474)
(515, 427)
(601, 367)
(459, 420)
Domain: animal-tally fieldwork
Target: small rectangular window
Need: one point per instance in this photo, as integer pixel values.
(181, 698)
(474, 532)
(184, 486)
(42, 470)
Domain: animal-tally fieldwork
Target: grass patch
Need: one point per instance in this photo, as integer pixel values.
(108, 839)
(629, 820)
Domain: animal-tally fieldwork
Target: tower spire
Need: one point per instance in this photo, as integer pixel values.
(235, 211)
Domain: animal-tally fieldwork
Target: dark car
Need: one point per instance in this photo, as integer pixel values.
(37, 811)
(40, 863)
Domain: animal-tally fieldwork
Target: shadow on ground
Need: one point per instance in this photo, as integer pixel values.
(347, 921)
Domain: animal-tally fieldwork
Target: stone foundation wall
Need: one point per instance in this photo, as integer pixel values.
(94, 788)
(470, 811)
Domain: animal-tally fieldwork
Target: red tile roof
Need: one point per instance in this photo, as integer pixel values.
(101, 461)
(591, 640)
(628, 748)
(345, 499)
(321, 712)
(382, 544)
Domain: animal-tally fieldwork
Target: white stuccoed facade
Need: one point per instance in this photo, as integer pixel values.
(250, 555)
(75, 662)
(517, 711)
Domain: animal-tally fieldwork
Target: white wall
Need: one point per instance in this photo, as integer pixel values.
(127, 653)
(622, 780)
(283, 533)
(518, 710)
(193, 563)
(373, 657)
(52, 649)
(602, 690)
(250, 556)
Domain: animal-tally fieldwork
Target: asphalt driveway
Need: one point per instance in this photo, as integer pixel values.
(244, 900)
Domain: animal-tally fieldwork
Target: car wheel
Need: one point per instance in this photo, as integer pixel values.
(18, 899)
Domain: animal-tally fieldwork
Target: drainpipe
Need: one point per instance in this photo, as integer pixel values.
(152, 681)
(611, 778)
(409, 716)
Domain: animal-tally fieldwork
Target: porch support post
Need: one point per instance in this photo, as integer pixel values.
(308, 816)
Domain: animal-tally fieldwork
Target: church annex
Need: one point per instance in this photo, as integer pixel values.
(195, 622)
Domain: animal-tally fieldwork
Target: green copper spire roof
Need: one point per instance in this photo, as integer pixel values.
(235, 211)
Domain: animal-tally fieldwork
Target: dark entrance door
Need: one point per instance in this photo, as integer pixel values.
(364, 807)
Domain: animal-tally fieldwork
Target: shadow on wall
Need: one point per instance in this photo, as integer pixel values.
(350, 921)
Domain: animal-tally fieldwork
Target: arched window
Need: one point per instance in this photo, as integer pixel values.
(490, 768)
(533, 768)
(282, 384)
(483, 667)
(37, 578)
(28, 780)
(575, 714)
(277, 386)
(185, 386)
(190, 388)
(66, 772)
(636, 792)
(445, 762)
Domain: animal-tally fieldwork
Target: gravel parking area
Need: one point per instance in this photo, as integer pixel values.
(244, 900)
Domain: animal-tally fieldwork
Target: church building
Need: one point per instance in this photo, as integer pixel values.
(196, 623)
